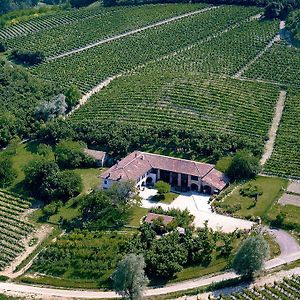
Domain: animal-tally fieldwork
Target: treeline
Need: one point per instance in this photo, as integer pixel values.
(118, 139)
(293, 24)
(10, 5)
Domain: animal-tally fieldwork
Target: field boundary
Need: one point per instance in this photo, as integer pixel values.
(132, 32)
(269, 146)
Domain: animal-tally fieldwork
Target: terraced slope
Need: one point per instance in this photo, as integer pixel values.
(52, 21)
(88, 68)
(185, 100)
(285, 159)
(226, 53)
(13, 227)
(73, 35)
(279, 64)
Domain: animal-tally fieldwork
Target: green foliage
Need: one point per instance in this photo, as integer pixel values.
(73, 96)
(51, 208)
(293, 24)
(129, 277)
(17, 115)
(27, 57)
(82, 254)
(8, 5)
(243, 166)
(44, 150)
(251, 191)
(162, 187)
(70, 154)
(44, 179)
(280, 8)
(251, 256)
(50, 109)
(81, 3)
(3, 47)
(7, 172)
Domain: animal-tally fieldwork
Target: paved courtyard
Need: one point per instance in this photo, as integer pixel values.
(289, 199)
(294, 187)
(199, 206)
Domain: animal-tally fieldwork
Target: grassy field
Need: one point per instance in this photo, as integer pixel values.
(272, 188)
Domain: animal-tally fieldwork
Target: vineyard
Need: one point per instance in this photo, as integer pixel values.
(275, 65)
(95, 28)
(88, 68)
(226, 53)
(285, 159)
(13, 227)
(84, 255)
(215, 104)
(288, 289)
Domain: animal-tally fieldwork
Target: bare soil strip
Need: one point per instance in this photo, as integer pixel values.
(258, 56)
(119, 36)
(269, 146)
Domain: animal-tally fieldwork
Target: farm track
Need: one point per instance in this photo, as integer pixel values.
(132, 32)
(290, 252)
(269, 146)
(107, 81)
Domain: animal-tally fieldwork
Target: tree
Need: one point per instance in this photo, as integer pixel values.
(243, 166)
(70, 154)
(129, 277)
(27, 57)
(251, 256)
(49, 110)
(73, 96)
(7, 172)
(162, 187)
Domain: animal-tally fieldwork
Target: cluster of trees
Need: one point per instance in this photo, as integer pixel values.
(23, 118)
(130, 279)
(27, 57)
(293, 24)
(9, 5)
(119, 139)
(7, 171)
(44, 179)
(168, 255)
(102, 209)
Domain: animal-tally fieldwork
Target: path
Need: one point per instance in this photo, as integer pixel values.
(259, 282)
(40, 234)
(258, 56)
(107, 81)
(269, 146)
(119, 36)
(93, 91)
(290, 251)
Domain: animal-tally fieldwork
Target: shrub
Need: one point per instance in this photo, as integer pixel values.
(251, 191)
(162, 187)
(27, 57)
(7, 172)
(3, 47)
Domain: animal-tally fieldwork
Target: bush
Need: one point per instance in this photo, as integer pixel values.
(73, 96)
(3, 47)
(251, 191)
(162, 187)
(243, 166)
(27, 57)
(7, 172)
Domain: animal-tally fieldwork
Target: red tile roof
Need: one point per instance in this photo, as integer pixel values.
(165, 219)
(99, 155)
(138, 163)
(216, 179)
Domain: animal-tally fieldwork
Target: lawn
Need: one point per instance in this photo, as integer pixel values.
(272, 188)
(136, 214)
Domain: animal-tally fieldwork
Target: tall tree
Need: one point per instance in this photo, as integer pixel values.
(129, 277)
(251, 256)
(7, 172)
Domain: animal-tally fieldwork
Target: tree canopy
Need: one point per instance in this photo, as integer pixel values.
(251, 256)
(129, 278)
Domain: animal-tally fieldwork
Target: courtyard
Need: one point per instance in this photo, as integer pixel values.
(199, 206)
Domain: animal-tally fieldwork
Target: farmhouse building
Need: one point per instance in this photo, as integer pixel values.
(147, 168)
(98, 156)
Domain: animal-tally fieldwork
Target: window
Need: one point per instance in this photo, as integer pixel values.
(194, 178)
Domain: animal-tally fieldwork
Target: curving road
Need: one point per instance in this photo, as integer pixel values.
(290, 251)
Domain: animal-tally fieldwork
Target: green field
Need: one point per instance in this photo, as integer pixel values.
(97, 27)
(86, 70)
(187, 100)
